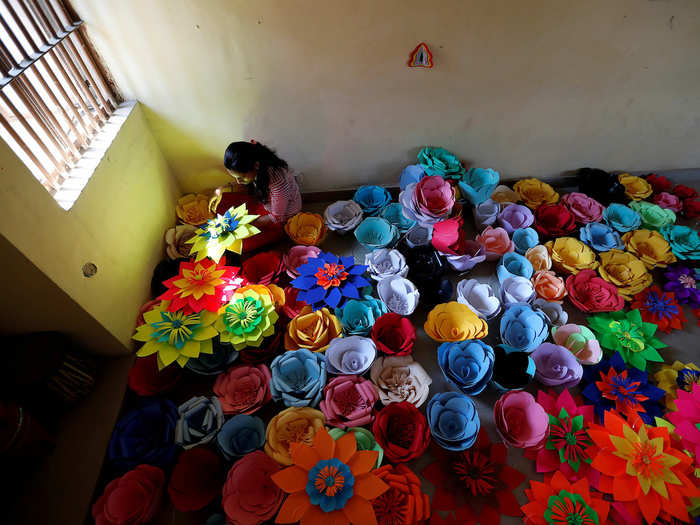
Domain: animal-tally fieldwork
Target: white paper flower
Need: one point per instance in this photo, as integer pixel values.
(400, 378)
(350, 355)
(517, 289)
(343, 216)
(554, 312)
(175, 239)
(385, 262)
(419, 235)
(399, 295)
(479, 297)
(486, 213)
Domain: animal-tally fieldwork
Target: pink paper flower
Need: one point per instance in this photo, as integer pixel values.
(496, 242)
(243, 389)
(249, 496)
(668, 201)
(687, 418)
(520, 420)
(435, 196)
(584, 208)
(298, 255)
(292, 306)
(349, 401)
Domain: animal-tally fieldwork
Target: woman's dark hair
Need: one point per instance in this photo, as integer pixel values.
(242, 156)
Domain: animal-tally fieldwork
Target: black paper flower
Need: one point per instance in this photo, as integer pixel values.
(601, 185)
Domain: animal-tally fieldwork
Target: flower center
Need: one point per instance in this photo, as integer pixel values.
(687, 281)
(687, 377)
(330, 484)
(476, 471)
(175, 328)
(622, 390)
(243, 315)
(331, 274)
(569, 509)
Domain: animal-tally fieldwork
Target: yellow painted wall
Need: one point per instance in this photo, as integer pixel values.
(117, 222)
(529, 87)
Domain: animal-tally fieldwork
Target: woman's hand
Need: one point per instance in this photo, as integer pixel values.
(264, 220)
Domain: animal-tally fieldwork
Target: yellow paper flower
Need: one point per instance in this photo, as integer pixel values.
(175, 336)
(275, 293)
(625, 271)
(569, 255)
(312, 329)
(650, 246)
(454, 321)
(503, 193)
(193, 209)
(667, 380)
(247, 319)
(305, 228)
(534, 192)
(539, 257)
(223, 232)
(292, 425)
(636, 188)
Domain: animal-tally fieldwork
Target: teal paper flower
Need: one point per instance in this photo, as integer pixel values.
(359, 315)
(439, 161)
(394, 214)
(477, 184)
(684, 241)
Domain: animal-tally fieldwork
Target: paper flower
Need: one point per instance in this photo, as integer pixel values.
(684, 192)
(176, 239)
(476, 475)
(511, 370)
(479, 297)
(601, 237)
(554, 220)
(677, 376)
(534, 192)
(515, 216)
(569, 255)
(580, 341)
(622, 218)
(312, 329)
(243, 389)
(454, 321)
(291, 425)
(548, 286)
(590, 293)
(298, 377)
(643, 468)
(174, 336)
(601, 185)
(241, 435)
(496, 242)
(298, 255)
(524, 239)
(557, 501)
(516, 290)
(404, 503)
(145, 379)
(659, 183)
(553, 311)
(467, 364)
(523, 328)
(349, 401)
(449, 236)
(477, 184)
(133, 498)
(486, 213)
(400, 378)
(659, 308)
(359, 315)
(306, 228)
(585, 209)
(539, 257)
(625, 271)
(393, 213)
(684, 241)
(419, 235)
(384, 262)
(350, 355)
(145, 434)
(424, 264)
(636, 188)
(556, 366)
(682, 281)
(394, 334)
(429, 201)
(223, 232)
(268, 349)
(402, 432)
(329, 480)
(329, 280)
(200, 418)
(371, 199)
(474, 254)
(610, 385)
(263, 268)
(503, 194)
(439, 161)
(686, 418)
(249, 496)
(193, 209)
(247, 319)
(292, 305)
(343, 216)
(196, 479)
(212, 364)
(653, 217)
(453, 419)
(411, 174)
(651, 248)
(513, 265)
(398, 294)
(520, 420)
(668, 201)
(364, 438)
(375, 232)
(691, 208)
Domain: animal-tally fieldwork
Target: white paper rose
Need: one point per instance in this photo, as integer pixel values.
(517, 289)
(400, 378)
(479, 297)
(398, 294)
(343, 216)
(385, 262)
(350, 355)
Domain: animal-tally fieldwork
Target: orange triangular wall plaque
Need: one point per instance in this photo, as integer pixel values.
(421, 56)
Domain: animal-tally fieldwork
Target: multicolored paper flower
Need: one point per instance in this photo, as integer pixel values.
(682, 281)
(247, 319)
(660, 308)
(329, 280)
(626, 333)
(223, 232)
(678, 376)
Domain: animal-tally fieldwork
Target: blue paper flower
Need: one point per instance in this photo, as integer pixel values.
(600, 237)
(684, 241)
(453, 419)
(613, 386)
(329, 280)
(358, 315)
(394, 214)
(215, 363)
(145, 434)
(241, 435)
(477, 184)
(524, 239)
(439, 161)
(330, 473)
(622, 218)
(523, 328)
(514, 265)
(467, 364)
(200, 419)
(371, 199)
(375, 232)
(411, 174)
(298, 378)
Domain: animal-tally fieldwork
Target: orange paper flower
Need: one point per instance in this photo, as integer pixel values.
(548, 286)
(193, 209)
(404, 503)
(306, 228)
(312, 329)
(292, 425)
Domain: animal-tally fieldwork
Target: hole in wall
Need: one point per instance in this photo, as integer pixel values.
(89, 269)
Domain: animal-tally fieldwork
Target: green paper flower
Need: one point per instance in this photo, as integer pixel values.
(364, 438)
(626, 333)
(568, 437)
(247, 319)
(654, 217)
(566, 508)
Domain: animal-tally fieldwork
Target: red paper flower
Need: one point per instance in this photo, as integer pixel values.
(660, 308)
(243, 389)
(404, 503)
(449, 236)
(691, 208)
(590, 293)
(349, 401)
(196, 479)
(263, 268)
(402, 432)
(146, 380)
(684, 192)
(202, 285)
(554, 220)
(268, 349)
(292, 306)
(394, 334)
(133, 498)
(477, 474)
(659, 183)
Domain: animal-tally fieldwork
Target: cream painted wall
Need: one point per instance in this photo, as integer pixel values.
(528, 87)
(117, 222)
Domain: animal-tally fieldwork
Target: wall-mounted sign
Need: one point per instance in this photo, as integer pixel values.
(421, 56)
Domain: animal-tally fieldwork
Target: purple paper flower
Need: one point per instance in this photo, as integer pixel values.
(556, 366)
(515, 216)
(682, 281)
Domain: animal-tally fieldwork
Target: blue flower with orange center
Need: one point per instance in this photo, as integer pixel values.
(330, 484)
